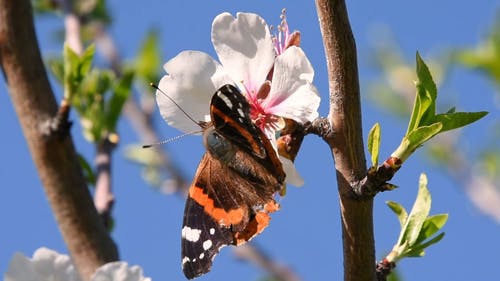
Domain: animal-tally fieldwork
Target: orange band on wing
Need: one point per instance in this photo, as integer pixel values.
(259, 222)
(254, 227)
(271, 206)
(222, 216)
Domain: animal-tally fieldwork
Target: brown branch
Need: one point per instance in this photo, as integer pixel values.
(54, 156)
(253, 253)
(377, 178)
(104, 198)
(384, 268)
(347, 145)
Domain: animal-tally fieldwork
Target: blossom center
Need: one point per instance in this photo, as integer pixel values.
(267, 122)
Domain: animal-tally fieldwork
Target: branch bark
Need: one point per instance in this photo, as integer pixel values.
(347, 143)
(104, 198)
(54, 154)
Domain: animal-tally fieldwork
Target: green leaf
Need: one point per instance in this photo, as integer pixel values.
(417, 227)
(423, 134)
(426, 83)
(484, 57)
(99, 12)
(425, 101)
(143, 156)
(71, 82)
(394, 276)
(456, 120)
(418, 214)
(431, 225)
(78, 66)
(44, 6)
(76, 69)
(415, 139)
(120, 95)
(424, 123)
(86, 59)
(418, 251)
(90, 103)
(451, 110)
(374, 143)
(399, 210)
(147, 64)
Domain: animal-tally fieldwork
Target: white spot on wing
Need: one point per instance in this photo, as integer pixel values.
(190, 234)
(240, 112)
(185, 260)
(207, 244)
(202, 255)
(226, 100)
(212, 231)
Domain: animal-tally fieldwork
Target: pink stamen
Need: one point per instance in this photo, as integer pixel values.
(282, 36)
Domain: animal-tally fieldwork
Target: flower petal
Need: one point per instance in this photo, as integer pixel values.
(192, 79)
(292, 93)
(244, 47)
(20, 269)
(118, 271)
(46, 265)
(292, 175)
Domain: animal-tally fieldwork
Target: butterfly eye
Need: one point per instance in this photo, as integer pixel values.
(218, 146)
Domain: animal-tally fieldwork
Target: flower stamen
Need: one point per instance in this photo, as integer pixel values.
(283, 39)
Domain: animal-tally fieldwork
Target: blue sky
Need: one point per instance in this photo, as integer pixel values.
(305, 234)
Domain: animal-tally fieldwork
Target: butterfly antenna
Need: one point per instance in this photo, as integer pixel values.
(170, 139)
(168, 97)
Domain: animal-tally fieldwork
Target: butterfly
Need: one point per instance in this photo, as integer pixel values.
(232, 194)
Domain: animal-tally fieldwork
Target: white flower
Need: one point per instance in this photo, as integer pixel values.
(119, 271)
(276, 86)
(46, 265)
(49, 265)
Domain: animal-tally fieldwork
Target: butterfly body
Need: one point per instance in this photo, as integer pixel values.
(233, 191)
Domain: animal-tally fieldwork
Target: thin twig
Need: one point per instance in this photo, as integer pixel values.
(251, 252)
(104, 198)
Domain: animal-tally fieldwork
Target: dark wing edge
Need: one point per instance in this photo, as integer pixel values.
(202, 239)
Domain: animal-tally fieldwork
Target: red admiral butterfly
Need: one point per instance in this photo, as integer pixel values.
(232, 193)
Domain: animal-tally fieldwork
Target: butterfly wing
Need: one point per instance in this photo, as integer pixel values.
(202, 236)
(232, 194)
(223, 208)
(230, 114)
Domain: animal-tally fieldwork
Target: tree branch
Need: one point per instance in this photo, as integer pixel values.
(104, 198)
(53, 154)
(347, 143)
(250, 252)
